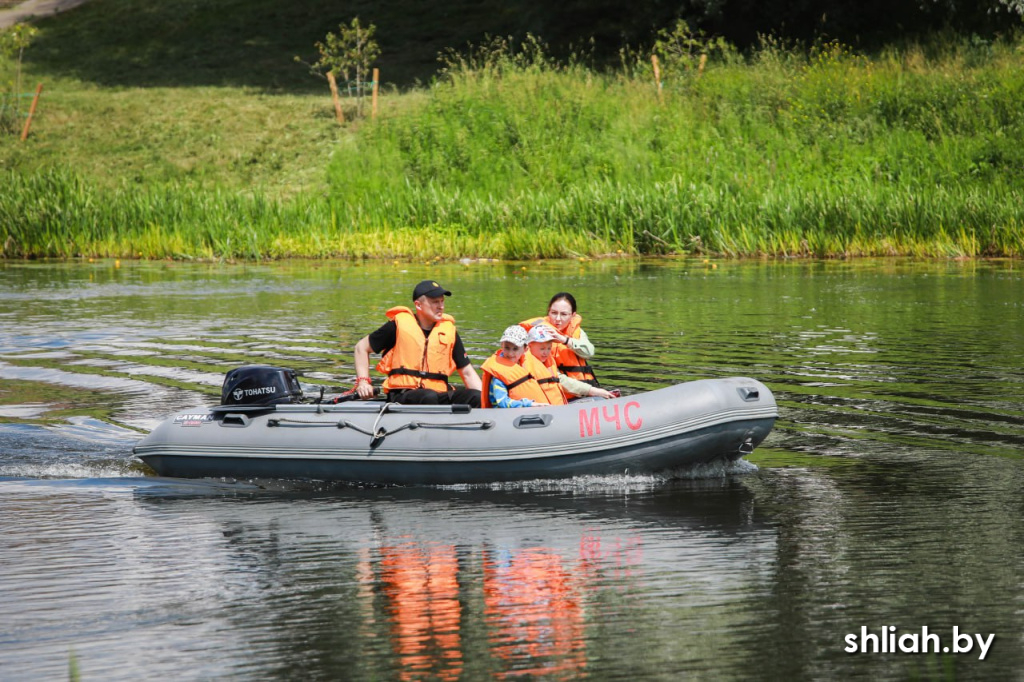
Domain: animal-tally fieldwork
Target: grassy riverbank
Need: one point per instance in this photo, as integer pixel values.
(784, 153)
(837, 154)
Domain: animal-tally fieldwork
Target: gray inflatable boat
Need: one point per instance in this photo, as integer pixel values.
(386, 443)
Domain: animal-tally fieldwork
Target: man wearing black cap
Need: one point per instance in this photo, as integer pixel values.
(420, 349)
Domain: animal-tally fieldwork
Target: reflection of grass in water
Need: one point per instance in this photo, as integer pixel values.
(217, 361)
(63, 401)
(69, 401)
(100, 371)
(770, 458)
(826, 437)
(907, 427)
(74, 673)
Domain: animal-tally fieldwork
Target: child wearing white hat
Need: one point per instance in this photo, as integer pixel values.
(540, 338)
(506, 383)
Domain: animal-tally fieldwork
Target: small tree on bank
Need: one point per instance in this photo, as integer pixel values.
(13, 42)
(348, 54)
(684, 50)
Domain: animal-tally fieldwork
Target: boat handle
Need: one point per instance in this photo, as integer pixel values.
(746, 447)
(532, 421)
(234, 420)
(749, 393)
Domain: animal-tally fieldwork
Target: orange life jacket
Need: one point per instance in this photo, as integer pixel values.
(520, 383)
(566, 360)
(418, 361)
(547, 377)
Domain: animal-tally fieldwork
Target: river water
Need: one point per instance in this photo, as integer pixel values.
(884, 511)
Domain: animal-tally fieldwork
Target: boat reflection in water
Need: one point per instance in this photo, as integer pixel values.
(448, 585)
(151, 577)
(420, 585)
(533, 605)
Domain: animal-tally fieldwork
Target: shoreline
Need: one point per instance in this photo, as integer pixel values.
(709, 261)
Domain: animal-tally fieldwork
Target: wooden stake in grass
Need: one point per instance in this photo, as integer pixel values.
(31, 113)
(703, 63)
(334, 95)
(376, 84)
(657, 74)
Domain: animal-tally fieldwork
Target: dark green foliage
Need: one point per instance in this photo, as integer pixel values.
(253, 42)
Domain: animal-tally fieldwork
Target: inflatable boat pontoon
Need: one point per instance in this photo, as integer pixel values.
(376, 442)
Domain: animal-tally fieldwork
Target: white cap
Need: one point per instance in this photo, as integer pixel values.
(514, 334)
(540, 333)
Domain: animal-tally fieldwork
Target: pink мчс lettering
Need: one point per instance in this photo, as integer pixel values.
(590, 419)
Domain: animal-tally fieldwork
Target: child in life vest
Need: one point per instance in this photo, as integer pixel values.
(540, 339)
(506, 383)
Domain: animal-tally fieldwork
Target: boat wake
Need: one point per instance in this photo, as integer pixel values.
(708, 471)
(711, 472)
(96, 431)
(82, 448)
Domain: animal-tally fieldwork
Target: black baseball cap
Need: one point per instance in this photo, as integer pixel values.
(429, 288)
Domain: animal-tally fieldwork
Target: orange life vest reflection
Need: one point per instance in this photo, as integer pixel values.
(534, 606)
(422, 587)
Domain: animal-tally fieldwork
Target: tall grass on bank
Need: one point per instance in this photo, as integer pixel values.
(826, 154)
(55, 214)
(512, 155)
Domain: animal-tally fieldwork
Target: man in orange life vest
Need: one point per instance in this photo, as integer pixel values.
(420, 350)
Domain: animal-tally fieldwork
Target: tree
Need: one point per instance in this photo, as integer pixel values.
(13, 42)
(348, 53)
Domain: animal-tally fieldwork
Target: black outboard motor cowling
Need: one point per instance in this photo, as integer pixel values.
(260, 385)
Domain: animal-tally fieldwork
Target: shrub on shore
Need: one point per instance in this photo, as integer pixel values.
(826, 154)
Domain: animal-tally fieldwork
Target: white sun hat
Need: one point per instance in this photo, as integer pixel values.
(514, 334)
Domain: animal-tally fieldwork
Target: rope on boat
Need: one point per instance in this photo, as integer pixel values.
(342, 424)
(484, 425)
(378, 434)
(279, 420)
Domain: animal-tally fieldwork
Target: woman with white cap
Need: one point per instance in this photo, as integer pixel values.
(506, 383)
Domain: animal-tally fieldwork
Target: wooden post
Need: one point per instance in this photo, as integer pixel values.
(376, 84)
(703, 63)
(337, 100)
(31, 113)
(657, 74)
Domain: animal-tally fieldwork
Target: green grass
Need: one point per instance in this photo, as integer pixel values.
(231, 139)
(837, 155)
(511, 154)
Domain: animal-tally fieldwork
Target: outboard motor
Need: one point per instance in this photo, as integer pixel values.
(260, 385)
